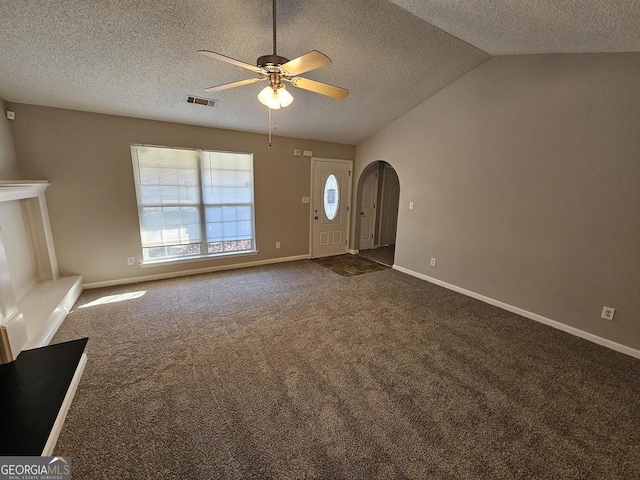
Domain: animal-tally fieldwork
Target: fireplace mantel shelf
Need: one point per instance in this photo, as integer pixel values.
(20, 190)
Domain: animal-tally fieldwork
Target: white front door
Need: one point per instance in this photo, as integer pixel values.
(331, 196)
(368, 209)
(389, 205)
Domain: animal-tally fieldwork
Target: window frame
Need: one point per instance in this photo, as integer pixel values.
(201, 206)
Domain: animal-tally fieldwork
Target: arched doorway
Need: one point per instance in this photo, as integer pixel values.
(377, 212)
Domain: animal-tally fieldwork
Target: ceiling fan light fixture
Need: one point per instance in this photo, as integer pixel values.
(285, 97)
(275, 97)
(269, 96)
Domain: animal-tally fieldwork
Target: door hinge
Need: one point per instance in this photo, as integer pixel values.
(372, 235)
(345, 242)
(349, 172)
(374, 205)
(347, 208)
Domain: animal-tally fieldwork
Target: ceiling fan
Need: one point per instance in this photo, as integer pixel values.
(277, 70)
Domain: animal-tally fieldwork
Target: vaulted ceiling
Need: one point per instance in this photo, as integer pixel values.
(508, 27)
(138, 57)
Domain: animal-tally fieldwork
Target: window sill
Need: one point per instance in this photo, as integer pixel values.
(196, 258)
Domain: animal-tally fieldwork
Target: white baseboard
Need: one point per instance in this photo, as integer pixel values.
(47, 451)
(618, 347)
(197, 271)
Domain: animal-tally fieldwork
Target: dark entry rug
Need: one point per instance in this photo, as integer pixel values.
(349, 265)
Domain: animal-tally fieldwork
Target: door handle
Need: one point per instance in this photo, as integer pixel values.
(361, 213)
(316, 217)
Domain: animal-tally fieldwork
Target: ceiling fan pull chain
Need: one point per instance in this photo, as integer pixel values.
(269, 126)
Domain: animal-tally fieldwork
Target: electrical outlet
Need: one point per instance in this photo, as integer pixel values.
(433, 262)
(608, 313)
(410, 205)
(11, 115)
(131, 260)
(277, 244)
(307, 153)
(306, 199)
(297, 153)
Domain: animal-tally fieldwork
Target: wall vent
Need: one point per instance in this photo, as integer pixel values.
(201, 101)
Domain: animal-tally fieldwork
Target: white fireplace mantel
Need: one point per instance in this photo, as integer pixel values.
(32, 320)
(21, 189)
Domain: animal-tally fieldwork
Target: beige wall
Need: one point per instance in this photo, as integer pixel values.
(9, 169)
(86, 157)
(525, 175)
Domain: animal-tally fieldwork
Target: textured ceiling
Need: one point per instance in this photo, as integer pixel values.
(510, 27)
(138, 58)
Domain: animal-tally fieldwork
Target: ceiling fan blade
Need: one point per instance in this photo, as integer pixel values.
(232, 61)
(239, 83)
(306, 63)
(319, 87)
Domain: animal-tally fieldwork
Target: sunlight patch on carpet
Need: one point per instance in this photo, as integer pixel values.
(122, 297)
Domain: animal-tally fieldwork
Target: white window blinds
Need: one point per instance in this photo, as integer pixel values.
(193, 203)
(227, 180)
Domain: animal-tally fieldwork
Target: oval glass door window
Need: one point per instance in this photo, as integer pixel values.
(331, 197)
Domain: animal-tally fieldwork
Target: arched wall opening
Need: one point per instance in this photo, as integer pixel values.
(376, 212)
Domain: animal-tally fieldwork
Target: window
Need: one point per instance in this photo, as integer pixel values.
(193, 202)
(331, 197)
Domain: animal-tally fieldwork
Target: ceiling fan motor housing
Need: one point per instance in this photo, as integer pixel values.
(266, 61)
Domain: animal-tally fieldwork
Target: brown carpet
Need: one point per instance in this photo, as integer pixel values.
(349, 265)
(291, 371)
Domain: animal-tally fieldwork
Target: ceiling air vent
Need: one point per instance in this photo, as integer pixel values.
(201, 101)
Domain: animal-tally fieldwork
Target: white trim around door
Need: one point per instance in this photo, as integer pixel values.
(332, 228)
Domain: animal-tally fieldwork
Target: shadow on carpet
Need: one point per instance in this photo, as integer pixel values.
(349, 265)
